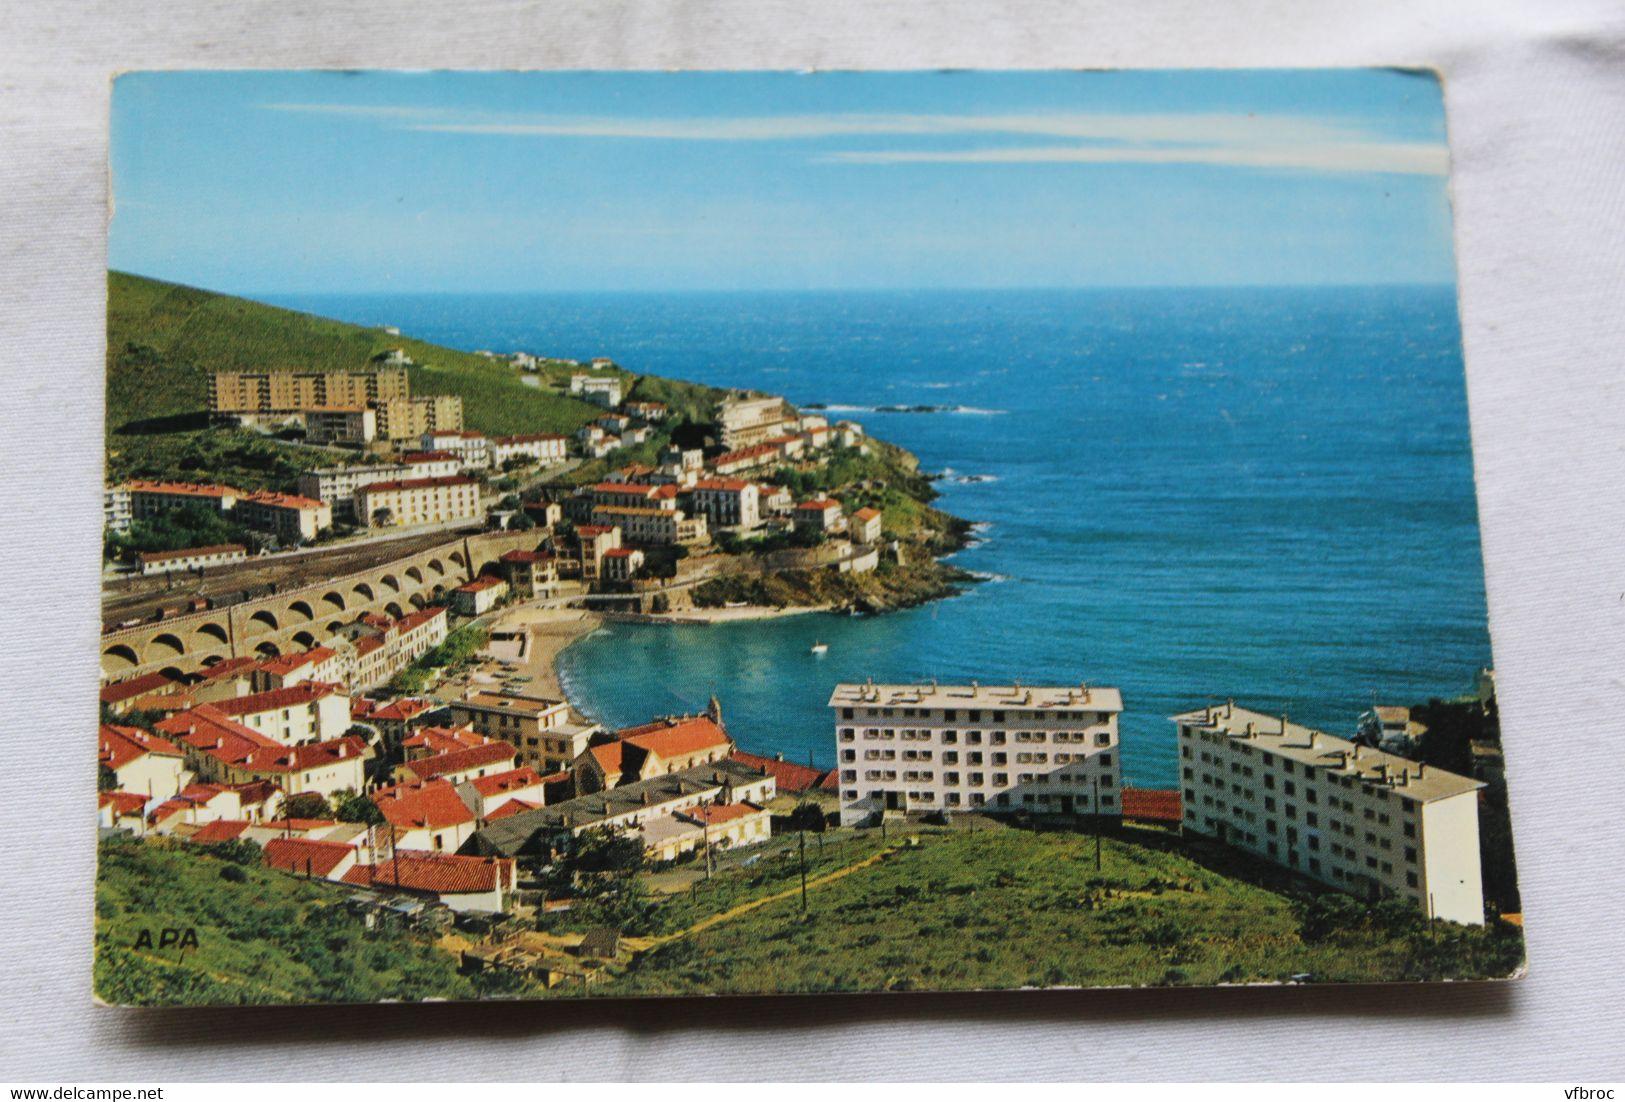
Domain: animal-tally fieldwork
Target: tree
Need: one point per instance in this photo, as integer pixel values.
(606, 850)
(106, 779)
(521, 522)
(807, 816)
(350, 807)
(510, 502)
(383, 517)
(306, 805)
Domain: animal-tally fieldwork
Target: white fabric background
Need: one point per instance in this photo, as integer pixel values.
(1536, 98)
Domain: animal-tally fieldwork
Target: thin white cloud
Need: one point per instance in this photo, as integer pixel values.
(1408, 158)
(1234, 139)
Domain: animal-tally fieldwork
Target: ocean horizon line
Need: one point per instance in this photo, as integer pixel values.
(261, 294)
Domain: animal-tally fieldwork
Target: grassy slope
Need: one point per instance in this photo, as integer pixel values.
(271, 938)
(1006, 908)
(163, 339)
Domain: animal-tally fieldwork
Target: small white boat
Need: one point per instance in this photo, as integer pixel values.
(819, 648)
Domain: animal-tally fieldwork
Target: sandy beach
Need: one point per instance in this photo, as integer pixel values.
(547, 632)
(717, 615)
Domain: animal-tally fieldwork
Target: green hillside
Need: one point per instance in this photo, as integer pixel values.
(1008, 908)
(163, 339)
(261, 936)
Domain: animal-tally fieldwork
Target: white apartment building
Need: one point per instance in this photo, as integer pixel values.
(1347, 815)
(600, 390)
(920, 748)
(116, 510)
(337, 485)
(542, 447)
(352, 425)
(726, 502)
(431, 464)
(151, 498)
(291, 517)
(651, 526)
(742, 421)
(418, 501)
(472, 449)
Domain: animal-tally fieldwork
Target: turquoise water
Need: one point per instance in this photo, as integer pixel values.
(1190, 494)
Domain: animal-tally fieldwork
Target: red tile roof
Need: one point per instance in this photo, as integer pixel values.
(124, 803)
(287, 663)
(221, 830)
(820, 505)
(204, 728)
(228, 667)
(480, 584)
(303, 855)
(119, 746)
(512, 807)
(515, 780)
(526, 556)
(431, 805)
(271, 499)
(731, 484)
(670, 739)
(440, 873)
(867, 512)
(193, 795)
(415, 483)
(488, 753)
(621, 552)
(120, 691)
(443, 740)
(719, 813)
(787, 775)
(193, 489)
(306, 692)
(1160, 805)
(399, 711)
(413, 620)
(311, 755)
(414, 458)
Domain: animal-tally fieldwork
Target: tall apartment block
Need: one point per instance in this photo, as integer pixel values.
(247, 396)
(923, 748)
(1351, 816)
(267, 392)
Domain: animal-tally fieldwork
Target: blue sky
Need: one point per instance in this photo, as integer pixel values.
(477, 182)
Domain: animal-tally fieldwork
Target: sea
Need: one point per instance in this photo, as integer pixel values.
(1263, 494)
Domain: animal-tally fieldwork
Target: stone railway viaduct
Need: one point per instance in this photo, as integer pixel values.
(297, 619)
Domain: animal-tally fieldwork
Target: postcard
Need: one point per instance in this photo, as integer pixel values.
(615, 534)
